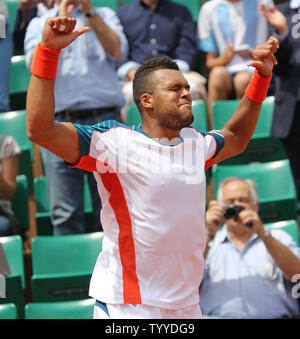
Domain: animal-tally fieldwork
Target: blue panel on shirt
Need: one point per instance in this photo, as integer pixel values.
(218, 137)
(224, 22)
(85, 133)
(251, 8)
(209, 44)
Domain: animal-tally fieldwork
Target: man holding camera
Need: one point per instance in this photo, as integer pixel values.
(248, 269)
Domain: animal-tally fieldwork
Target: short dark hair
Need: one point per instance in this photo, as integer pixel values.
(141, 81)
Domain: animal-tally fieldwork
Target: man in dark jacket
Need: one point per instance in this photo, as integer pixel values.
(286, 118)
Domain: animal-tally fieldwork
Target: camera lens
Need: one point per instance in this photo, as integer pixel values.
(232, 211)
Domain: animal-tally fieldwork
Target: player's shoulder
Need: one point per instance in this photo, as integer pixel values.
(106, 125)
(188, 131)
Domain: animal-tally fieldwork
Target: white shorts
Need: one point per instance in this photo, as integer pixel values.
(130, 311)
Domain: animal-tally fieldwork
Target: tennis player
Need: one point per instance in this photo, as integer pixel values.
(151, 177)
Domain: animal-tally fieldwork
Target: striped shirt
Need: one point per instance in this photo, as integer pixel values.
(240, 23)
(246, 284)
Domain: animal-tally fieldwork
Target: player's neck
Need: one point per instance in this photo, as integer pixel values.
(160, 132)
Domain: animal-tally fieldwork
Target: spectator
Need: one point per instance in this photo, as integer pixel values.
(6, 48)
(154, 28)
(248, 269)
(87, 91)
(286, 117)
(9, 153)
(228, 31)
(27, 10)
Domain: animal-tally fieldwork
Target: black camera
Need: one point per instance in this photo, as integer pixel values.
(232, 211)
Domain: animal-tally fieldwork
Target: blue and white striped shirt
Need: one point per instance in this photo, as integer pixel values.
(240, 23)
(246, 284)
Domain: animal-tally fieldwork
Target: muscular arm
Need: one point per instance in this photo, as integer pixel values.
(59, 138)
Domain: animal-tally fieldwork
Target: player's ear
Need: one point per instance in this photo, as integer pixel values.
(146, 100)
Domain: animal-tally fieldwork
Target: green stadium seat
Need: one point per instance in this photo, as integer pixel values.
(262, 147)
(289, 226)
(43, 217)
(192, 5)
(113, 4)
(77, 309)
(62, 266)
(199, 112)
(125, 2)
(19, 81)
(20, 205)
(13, 124)
(15, 282)
(8, 311)
(133, 116)
(275, 184)
(12, 6)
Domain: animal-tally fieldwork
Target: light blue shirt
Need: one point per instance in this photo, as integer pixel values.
(86, 76)
(246, 284)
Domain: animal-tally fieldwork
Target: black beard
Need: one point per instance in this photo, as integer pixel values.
(176, 122)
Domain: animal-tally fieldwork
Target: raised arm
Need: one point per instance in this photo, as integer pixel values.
(239, 129)
(59, 138)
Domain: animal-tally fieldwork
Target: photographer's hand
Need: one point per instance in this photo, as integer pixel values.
(214, 217)
(66, 8)
(250, 219)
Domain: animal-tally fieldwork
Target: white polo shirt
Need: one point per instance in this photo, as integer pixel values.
(153, 198)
